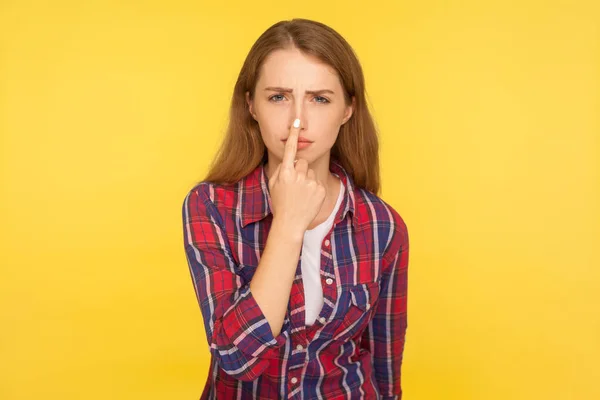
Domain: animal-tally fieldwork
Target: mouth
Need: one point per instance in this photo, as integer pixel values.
(300, 140)
(303, 145)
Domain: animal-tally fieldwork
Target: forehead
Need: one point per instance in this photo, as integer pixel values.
(291, 67)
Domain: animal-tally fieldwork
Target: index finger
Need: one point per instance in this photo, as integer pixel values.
(291, 145)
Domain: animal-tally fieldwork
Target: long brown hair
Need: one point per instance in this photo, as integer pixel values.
(356, 147)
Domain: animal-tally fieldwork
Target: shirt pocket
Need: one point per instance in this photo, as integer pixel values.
(360, 301)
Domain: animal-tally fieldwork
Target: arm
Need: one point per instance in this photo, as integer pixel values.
(385, 334)
(240, 336)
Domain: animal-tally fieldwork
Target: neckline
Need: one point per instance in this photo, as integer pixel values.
(334, 211)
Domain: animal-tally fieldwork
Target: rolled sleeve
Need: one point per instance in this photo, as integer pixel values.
(245, 323)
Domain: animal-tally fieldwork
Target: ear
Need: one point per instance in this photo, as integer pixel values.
(250, 105)
(349, 111)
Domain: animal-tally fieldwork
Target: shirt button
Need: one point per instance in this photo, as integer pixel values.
(329, 281)
(294, 380)
(326, 242)
(299, 347)
(322, 320)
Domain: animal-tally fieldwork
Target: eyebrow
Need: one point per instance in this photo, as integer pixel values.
(288, 90)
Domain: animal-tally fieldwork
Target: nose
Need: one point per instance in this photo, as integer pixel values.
(298, 112)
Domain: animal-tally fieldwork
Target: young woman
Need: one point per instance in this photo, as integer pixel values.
(300, 270)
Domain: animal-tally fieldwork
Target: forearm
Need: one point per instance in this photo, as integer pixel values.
(272, 281)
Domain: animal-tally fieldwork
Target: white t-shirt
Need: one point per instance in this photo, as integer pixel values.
(311, 263)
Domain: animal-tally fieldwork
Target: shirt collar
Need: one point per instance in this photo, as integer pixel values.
(256, 200)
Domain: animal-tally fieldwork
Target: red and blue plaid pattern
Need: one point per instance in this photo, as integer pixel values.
(353, 350)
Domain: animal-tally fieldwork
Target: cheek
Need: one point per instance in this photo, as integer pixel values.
(327, 127)
(328, 117)
(271, 130)
(273, 122)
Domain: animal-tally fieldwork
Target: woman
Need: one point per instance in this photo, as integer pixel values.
(299, 268)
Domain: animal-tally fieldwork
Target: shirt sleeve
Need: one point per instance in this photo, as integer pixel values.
(385, 334)
(238, 333)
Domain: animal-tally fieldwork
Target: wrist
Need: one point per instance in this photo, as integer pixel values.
(286, 232)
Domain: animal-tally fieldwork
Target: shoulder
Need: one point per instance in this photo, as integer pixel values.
(206, 197)
(210, 193)
(197, 195)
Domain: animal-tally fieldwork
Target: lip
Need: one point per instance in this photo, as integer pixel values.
(303, 145)
(301, 140)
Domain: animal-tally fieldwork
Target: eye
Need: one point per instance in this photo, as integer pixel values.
(325, 101)
(274, 96)
(277, 98)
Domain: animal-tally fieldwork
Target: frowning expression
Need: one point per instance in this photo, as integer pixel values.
(295, 85)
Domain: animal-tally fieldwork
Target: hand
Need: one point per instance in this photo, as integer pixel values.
(296, 195)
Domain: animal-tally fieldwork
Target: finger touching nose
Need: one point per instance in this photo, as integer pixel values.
(299, 113)
(299, 118)
(300, 123)
(303, 120)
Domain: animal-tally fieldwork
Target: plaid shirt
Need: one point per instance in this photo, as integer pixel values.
(353, 350)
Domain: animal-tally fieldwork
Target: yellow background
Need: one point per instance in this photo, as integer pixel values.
(488, 112)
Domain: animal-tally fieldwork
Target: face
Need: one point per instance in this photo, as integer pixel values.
(294, 85)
